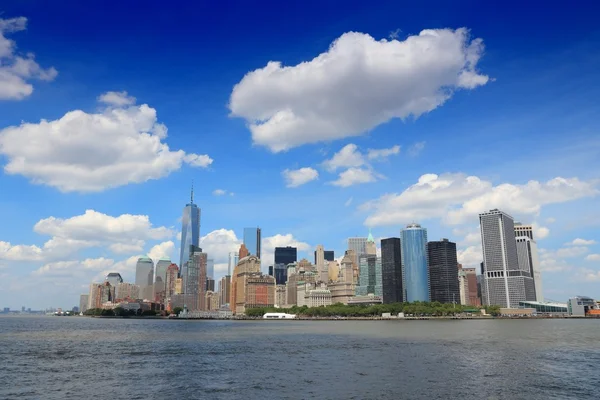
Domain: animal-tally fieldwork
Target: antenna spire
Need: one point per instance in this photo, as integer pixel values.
(192, 194)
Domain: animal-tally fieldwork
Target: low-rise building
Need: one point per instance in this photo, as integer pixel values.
(580, 306)
(318, 297)
(369, 299)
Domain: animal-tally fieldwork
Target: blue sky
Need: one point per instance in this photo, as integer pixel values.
(510, 121)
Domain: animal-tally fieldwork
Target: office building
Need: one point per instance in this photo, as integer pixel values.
(286, 255)
(210, 269)
(171, 280)
(127, 291)
(224, 290)
(243, 253)
(370, 246)
(234, 257)
(114, 278)
(505, 283)
(443, 272)
(391, 267)
(246, 267)
(83, 302)
(144, 274)
(252, 240)
(160, 278)
(328, 255)
(210, 284)
(415, 274)
(190, 233)
(333, 270)
(370, 275)
(523, 230)
(527, 255)
(280, 299)
(318, 297)
(468, 286)
(195, 281)
(358, 245)
(260, 291)
(280, 273)
(321, 265)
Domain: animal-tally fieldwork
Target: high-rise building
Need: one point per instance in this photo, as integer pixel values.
(144, 273)
(467, 278)
(160, 278)
(234, 257)
(246, 267)
(100, 293)
(171, 280)
(391, 266)
(328, 255)
(358, 244)
(195, 282)
(210, 284)
(320, 262)
(505, 284)
(114, 278)
(190, 233)
(252, 240)
(127, 291)
(210, 268)
(443, 271)
(280, 273)
(286, 255)
(523, 230)
(370, 275)
(243, 253)
(527, 254)
(83, 302)
(414, 263)
(224, 290)
(333, 270)
(370, 247)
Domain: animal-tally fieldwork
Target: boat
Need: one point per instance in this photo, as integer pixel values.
(279, 316)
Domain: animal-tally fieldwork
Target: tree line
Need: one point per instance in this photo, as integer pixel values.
(120, 312)
(417, 309)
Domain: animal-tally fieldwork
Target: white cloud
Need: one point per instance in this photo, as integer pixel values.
(92, 152)
(136, 246)
(347, 157)
(17, 70)
(378, 154)
(356, 85)
(219, 243)
(587, 275)
(355, 176)
(580, 242)
(219, 192)
(118, 99)
(69, 267)
(540, 232)
(164, 249)
(457, 198)
(556, 260)
(299, 177)
(550, 220)
(19, 252)
(593, 257)
(416, 149)
(470, 257)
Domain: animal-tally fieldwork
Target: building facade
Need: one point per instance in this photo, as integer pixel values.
(443, 272)
(127, 291)
(321, 265)
(83, 302)
(370, 277)
(527, 254)
(505, 284)
(144, 276)
(190, 233)
(467, 278)
(260, 291)
(160, 279)
(252, 241)
(415, 273)
(114, 278)
(391, 270)
(246, 267)
(286, 255)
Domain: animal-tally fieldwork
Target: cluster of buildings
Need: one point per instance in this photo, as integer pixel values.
(407, 268)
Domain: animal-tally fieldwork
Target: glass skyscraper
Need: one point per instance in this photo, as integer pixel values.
(144, 273)
(252, 241)
(414, 263)
(190, 233)
(443, 272)
(286, 255)
(391, 266)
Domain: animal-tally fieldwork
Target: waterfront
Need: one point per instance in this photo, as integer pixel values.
(72, 358)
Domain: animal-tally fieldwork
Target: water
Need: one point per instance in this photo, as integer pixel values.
(76, 357)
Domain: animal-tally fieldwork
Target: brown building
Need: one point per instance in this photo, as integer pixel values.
(243, 252)
(224, 290)
(467, 278)
(260, 291)
(171, 281)
(247, 266)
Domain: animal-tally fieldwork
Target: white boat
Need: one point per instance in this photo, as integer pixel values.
(274, 315)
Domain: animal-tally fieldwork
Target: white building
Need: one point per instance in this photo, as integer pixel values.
(318, 298)
(527, 254)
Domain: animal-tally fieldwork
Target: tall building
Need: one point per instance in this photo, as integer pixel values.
(527, 254)
(468, 285)
(359, 246)
(328, 255)
(391, 267)
(224, 290)
(505, 284)
(286, 255)
(127, 291)
(370, 247)
(114, 278)
(234, 257)
(195, 282)
(414, 263)
(246, 267)
(171, 280)
(280, 273)
(144, 274)
(190, 233)
(370, 275)
(443, 271)
(320, 262)
(210, 268)
(83, 302)
(243, 253)
(160, 278)
(252, 241)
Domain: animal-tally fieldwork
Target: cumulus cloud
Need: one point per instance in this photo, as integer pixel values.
(580, 242)
(560, 259)
(354, 176)
(540, 232)
(457, 198)
(82, 152)
(268, 245)
(470, 257)
(19, 252)
(382, 154)
(118, 99)
(161, 250)
(587, 275)
(17, 70)
(298, 177)
(219, 243)
(67, 267)
(593, 257)
(356, 85)
(348, 156)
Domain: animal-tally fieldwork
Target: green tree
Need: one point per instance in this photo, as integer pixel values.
(177, 310)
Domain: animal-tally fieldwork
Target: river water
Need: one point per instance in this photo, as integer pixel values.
(80, 358)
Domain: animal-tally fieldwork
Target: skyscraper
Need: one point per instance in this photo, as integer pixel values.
(160, 278)
(414, 263)
(328, 255)
(443, 272)
(252, 241)
(527, 254)
(391, 266)
(358, 245)
(172, 272)
(114, 278)
(234, 257)
(285, 255)
(190, 232)
(210, 269)
(505, 284)
(321, 265)
(370, 275)
(195, 281)
(144, 273)
(280, 273)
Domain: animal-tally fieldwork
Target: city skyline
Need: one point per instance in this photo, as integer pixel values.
(513, 130)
